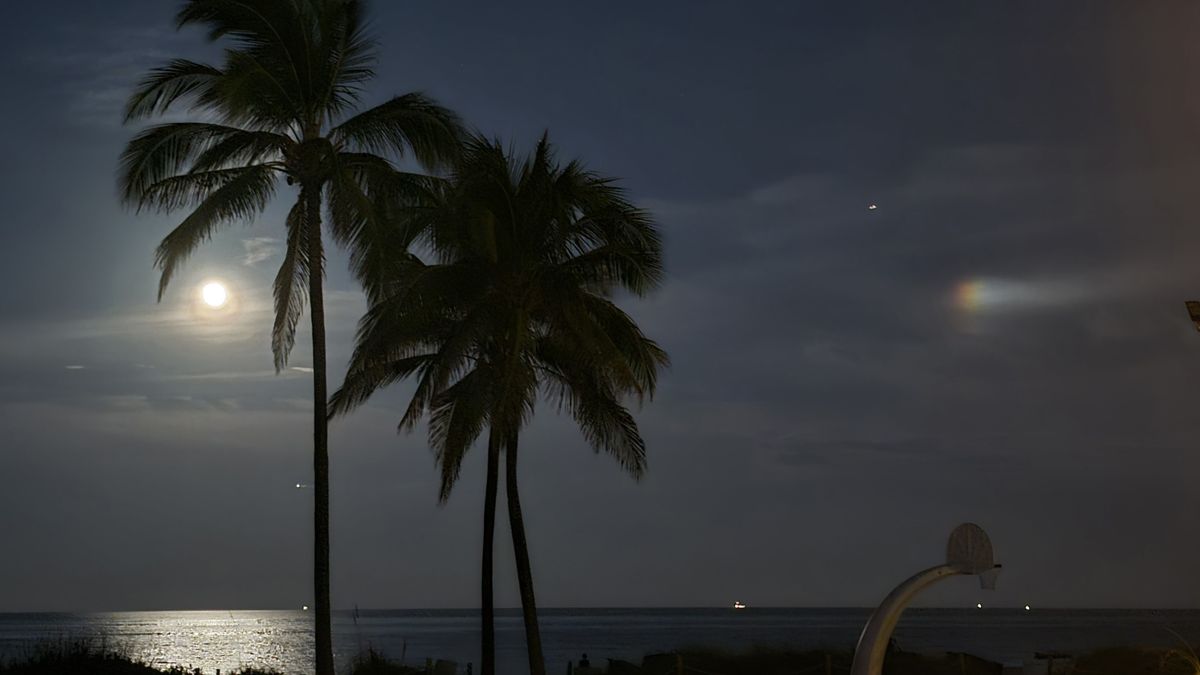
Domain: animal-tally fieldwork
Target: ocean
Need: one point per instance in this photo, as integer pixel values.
(281, 640)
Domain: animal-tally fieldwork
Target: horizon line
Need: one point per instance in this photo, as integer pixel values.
(351, 610)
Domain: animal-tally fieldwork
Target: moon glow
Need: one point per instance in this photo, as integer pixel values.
(214, 295)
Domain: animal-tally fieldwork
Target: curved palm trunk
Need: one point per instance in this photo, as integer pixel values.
(487, 601)
(316, 273)
(533, 636)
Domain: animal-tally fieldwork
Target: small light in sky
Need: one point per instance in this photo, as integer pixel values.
(872, 207)
(1026, 608)
(214, 294)
(979, 605)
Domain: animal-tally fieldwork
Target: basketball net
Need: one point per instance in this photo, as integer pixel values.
(987, 580)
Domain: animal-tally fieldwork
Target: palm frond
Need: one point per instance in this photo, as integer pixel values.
(608, 240)
(573, 328)
(375, 211)
(378, 214)
(189, 189)
(261, 92)
(363, 381)
(637, 354)
(351, 56)
(424, 325)
(411, 320)
(593, 403)
(164, 86)
(162, 151)
(608, 427)
(249, 147)
(457, 417)
(273, 70)
(240, 198)
(409, 124)
(254, 25)
(291, 286)
(610, 266)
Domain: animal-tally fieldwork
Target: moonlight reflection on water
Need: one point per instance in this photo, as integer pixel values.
(282, 640)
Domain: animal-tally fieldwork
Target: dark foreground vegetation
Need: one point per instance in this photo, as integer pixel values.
(91, 657)
(773, 661)
(776, 661)
(96, 658)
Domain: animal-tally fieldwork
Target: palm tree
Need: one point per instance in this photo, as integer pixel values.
(516, 305)
(278, 107)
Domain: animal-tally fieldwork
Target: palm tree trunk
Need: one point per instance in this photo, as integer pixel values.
(533, 636)
(316, 299)
(487, 601)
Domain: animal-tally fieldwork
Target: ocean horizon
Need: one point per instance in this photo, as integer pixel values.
(281, 640)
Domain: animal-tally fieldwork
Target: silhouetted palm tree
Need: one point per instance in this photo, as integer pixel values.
(517, 302)
(277, 107)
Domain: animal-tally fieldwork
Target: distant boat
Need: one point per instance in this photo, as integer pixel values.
(739, 605)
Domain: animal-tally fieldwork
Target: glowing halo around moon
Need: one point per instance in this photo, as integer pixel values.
(215, 306)
(214, 294)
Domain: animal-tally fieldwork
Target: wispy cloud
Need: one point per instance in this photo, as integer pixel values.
(226, 375)
(99, 78)
(259, 249)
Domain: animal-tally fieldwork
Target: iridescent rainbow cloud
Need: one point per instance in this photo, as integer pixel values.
(968, 295)
(975, 295)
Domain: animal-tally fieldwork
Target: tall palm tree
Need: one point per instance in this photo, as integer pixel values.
(279, 106)
(516, 305)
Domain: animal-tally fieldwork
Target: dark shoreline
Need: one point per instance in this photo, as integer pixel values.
(96, 657)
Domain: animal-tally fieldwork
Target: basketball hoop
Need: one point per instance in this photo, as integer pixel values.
(968, 553)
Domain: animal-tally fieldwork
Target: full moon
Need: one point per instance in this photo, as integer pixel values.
(214, 295)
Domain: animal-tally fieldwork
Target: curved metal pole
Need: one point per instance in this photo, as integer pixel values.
(872, 644)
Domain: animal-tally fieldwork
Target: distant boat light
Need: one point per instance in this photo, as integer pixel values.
(739, 605)
(305, 608)
(1026, 608)
(979, 605)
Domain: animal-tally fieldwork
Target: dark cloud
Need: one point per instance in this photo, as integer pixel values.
(1002, 340)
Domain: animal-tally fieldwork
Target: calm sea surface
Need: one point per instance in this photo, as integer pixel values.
(282, 640)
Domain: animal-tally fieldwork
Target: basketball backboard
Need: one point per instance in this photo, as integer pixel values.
(970, 550)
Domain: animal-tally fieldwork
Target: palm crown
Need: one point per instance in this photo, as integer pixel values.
(276, 108)
(518, 301)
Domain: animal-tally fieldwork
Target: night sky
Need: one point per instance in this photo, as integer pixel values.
(1002, 340)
